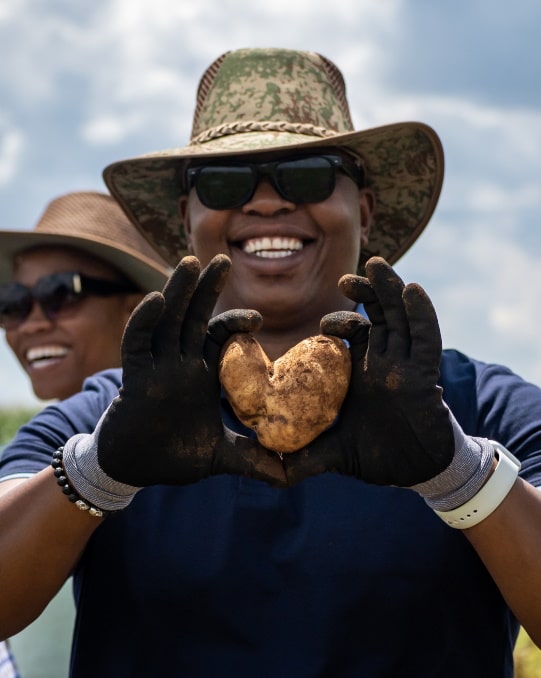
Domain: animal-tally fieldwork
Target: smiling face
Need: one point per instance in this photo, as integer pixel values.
(59, 354)
(286, 258)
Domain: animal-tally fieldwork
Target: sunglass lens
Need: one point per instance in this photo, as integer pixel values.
(55, 292)
(224, 187)
(15, 304)
(305, 180)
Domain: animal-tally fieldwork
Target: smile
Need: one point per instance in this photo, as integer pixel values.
(272, 248)
(44, 353)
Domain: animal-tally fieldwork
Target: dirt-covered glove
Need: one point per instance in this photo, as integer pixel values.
(394, 427)
(165, 426)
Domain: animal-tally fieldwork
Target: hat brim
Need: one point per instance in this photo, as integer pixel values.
(135, 266)
(403, 161)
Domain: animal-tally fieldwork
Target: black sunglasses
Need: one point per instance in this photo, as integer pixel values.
(310, 178)
(55, 294)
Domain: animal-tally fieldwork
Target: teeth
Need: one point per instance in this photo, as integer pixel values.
(272, 248)
(45, 352)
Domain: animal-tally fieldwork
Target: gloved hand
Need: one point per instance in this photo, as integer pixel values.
(165, 426)
(393, 428)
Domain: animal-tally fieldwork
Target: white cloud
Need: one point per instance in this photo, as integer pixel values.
(512, 281)
(110, 129)
(11, 146)
(9, 8)
(495, 197)
(84, 84)
(485, 288)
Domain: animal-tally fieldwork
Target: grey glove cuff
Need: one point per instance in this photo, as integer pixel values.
(465, 475)
(88, 479)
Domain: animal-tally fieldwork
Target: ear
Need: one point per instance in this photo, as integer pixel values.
(367, 202)
(184, 215)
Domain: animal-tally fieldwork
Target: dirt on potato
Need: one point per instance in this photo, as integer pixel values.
(290, 401)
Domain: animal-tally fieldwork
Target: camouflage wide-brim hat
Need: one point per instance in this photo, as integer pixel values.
(266, 100)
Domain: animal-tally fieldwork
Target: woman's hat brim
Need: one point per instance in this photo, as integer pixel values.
(134, 265)
(403, 162)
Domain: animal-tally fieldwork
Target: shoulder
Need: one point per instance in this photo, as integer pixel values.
(85, 408)
(460, 371)
(492, 401)
(35, 441)
(107, 381)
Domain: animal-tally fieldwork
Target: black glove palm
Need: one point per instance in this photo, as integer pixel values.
(165, 427)
(393, 428)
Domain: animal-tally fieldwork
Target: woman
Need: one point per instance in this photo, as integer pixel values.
(67, 289)
(344, 561)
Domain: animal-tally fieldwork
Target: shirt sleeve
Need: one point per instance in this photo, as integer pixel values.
(511, 410)
(491, 401)
(32, 447)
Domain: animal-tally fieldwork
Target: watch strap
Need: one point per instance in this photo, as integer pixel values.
(490, 496)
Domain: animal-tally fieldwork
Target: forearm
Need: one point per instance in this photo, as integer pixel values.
(42, 536)
(509, 544)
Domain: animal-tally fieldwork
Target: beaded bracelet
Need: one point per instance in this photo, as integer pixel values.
(67, 489)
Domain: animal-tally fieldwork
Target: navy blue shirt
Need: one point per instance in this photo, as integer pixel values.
(333, 577)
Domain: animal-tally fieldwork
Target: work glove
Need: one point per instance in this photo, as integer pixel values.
(165, 426)
(394, 427)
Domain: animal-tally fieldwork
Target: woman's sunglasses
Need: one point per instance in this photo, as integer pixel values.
(306, 179)
(55, 294)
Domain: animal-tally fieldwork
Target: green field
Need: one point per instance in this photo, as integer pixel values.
(10, 420)
(527, 655)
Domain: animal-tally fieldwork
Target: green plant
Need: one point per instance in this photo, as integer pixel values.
(527, 657)
(11, 419)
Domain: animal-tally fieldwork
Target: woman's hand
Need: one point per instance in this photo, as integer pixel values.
(393, 428)
(165, 427)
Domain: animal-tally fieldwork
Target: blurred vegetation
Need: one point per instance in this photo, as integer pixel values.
(11, 419)
(527, 655)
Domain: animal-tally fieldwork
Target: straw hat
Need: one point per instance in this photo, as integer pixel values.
(93, 223)
(259, 100)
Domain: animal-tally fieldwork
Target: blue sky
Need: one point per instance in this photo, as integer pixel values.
(85, 84)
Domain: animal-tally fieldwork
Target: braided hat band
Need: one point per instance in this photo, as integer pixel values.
(267, 100)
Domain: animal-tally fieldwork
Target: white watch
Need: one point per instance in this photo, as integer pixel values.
(490, 496)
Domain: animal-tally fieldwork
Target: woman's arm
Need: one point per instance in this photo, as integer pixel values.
(42, 535)
(509, 544)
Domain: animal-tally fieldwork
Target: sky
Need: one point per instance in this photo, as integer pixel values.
(84, 84)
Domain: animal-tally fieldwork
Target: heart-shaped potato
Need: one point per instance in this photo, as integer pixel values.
(290, 401)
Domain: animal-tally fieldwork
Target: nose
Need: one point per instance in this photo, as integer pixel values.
(266, 200)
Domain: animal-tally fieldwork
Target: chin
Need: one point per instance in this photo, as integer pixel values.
(52, 392)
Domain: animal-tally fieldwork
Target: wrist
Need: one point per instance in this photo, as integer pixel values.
(469, 469)
(89, 480)
(502, 478)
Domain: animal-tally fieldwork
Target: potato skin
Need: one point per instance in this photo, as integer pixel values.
(290, 401)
